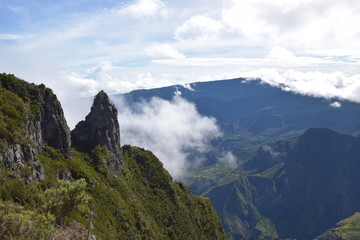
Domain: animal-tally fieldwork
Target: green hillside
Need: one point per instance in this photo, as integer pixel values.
(347, 229)
(48, 191)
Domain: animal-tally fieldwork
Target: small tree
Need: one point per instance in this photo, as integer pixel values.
(65, 198)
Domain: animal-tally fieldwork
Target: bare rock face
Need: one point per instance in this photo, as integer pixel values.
(50, 127)
(23, 163)
(43, 124)
(54, 129)
(101, 127)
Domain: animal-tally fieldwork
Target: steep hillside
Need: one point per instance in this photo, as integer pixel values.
(347, 229)
(49, 191)
(301, 188)
(30, 119)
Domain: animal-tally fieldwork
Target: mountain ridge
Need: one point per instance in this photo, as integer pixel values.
(311, 187)
(79, 194)
(251, 113)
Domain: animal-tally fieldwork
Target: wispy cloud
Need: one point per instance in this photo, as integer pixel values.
(198, 27)
(15, 36)
(143, 9)
(163, 51)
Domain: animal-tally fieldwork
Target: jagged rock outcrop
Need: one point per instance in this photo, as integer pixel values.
(49, 128)
(101, 127)
(40, 122)
(54, 129)
(23, 162)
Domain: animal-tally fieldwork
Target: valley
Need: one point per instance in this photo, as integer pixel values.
(294, 177)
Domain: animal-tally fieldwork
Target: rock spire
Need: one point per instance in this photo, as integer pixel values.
(100, 127)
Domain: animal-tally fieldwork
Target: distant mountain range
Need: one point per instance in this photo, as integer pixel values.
(303, 187)
(296, 178)
(251, 113)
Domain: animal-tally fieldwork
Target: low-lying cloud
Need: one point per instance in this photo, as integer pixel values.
(318, 84)
(173, 130)
(337, 84)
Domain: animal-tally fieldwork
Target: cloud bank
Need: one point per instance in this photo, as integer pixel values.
(173, 130)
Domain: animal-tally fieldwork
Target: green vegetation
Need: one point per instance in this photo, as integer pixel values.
(78, 196)
(202, 180)
(143, 204)
(28, 92)
(36, 211)
(12, 118)
(19, 105)
(347, 229)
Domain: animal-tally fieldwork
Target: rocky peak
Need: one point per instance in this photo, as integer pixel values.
(100, 127)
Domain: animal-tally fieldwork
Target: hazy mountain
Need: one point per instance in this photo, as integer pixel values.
(251, 113)
(303, 187)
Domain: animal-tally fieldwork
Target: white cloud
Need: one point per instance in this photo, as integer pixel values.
(278, 57)
(318, 84)
(114, 79)
(245, 17)
(14, 36)
(144, 8)
(163, 51)
(335, 104)
(170, 129)
(198, 27)
(228, 158)
(300, 24)
(282, 54)
(188, 86)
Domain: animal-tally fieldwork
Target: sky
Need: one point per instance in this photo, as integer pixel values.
(117, 45)
(78, 47)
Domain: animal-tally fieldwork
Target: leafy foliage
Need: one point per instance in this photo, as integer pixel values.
(16, 222)
(65, 198)
(29, 93)
(12, 117)
(144, 203)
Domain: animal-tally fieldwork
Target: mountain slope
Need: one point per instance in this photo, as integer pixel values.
(251, 113)
(81, 194)
(305, 188)
(347, 229)
(257, 120)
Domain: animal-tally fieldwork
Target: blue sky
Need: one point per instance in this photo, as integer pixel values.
(81, 46)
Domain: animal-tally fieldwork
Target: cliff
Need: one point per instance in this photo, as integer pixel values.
(30, 119)
(96, 190)
(100, 127)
